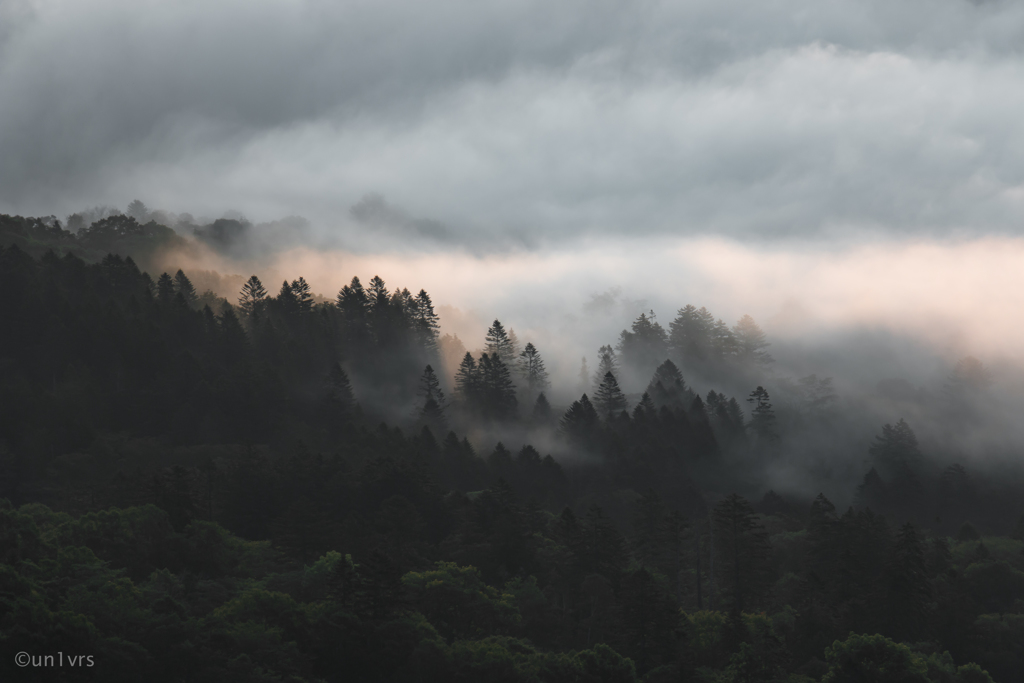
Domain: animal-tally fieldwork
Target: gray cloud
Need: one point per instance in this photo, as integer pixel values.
(510, 124)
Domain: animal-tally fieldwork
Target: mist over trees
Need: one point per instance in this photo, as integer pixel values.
(279, 485)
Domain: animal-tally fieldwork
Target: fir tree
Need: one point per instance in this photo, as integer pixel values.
(338, 394)
(762, 419)
(541, 409)
(498, 393)
(427, 324)
(498, 343)
(183, 286)
(165, 289)
(467, 381)
(751, 342)
(303, 296)
(531, 369)
(252, 298)
(743, 551)
(609, 399)
(580, 419)
(607, 362)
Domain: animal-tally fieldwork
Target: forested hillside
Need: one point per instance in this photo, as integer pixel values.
(273, 488)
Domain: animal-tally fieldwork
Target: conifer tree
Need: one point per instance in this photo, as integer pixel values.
(531, 369)
(303, 296)
(609, 399)
(427, 324)
(607, 362)
(690, 335)
(498, 343)
(286, 299)
(751, 342)
(584, 376)
(743, 552)
(338, 393)
(252, 298)
(895, 451)
(580, 419)
(909, 591)
(667, 386)
(354, 305)
(165, 289)
(498, 393)
(467, 381)
(183, 286)
(645, 409)
(541, 409)
(762, 419)
(513, 342)
(430, 386)
(644, 346)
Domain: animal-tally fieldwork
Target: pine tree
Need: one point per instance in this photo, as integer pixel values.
(644, 346)
(183, 286)
(498, 343)
(286, 299)
(645, 409)
(609, 399)
(498, 393)
(751, 342)
(762, 419)
(467, 382)
(667, 386)
(584, 376)
(531, 368)
(909, 591)
(513, 342)
(430, 387)
(427, 324)
(607, 362)
(303, 296)
(895, 451)
(579, 420)
(165, 289)
(253, 298)
(338, 395)
(690, 335)
(541, 409)
(354, 305)
(743, 551)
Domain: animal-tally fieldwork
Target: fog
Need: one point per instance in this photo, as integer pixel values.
(847, 173)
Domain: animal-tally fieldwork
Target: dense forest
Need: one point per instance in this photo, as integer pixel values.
(281, 487)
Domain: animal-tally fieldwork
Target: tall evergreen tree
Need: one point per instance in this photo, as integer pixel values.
(165, 289)
(667, 386)
(743, 551)
(430, 388)
(253, 298)
(609, 399)
(645, 346)
(909, 593)
(427, 324)
(751, 342)
(531, 369)
(580, 419)
(183, 286)
(498, 393)
(498, 343)
(303, 296)
(339, 399)
(354, 305)
(467, 382)
(607, 361)
(690, 335)
(762, 419)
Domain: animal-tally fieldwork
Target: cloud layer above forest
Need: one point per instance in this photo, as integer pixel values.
(499, 125)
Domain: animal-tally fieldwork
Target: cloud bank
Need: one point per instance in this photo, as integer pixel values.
(509, 125)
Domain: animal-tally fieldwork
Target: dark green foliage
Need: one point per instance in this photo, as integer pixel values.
(609, 400)
(741, 544)
(227, 511)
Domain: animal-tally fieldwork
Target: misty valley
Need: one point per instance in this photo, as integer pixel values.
(270, 484)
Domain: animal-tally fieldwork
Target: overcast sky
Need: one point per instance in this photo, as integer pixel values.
(492, 125)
